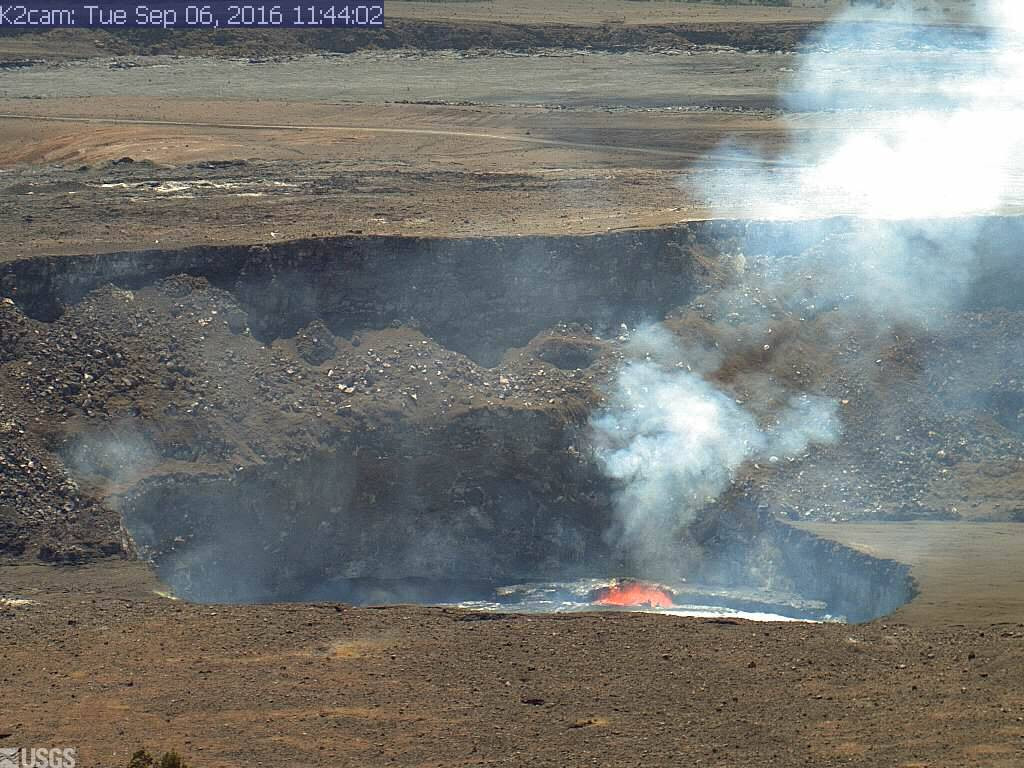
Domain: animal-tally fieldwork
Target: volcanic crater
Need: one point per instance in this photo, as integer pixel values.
(380, 419)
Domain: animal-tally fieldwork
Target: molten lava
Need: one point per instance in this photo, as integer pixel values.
(634, 593)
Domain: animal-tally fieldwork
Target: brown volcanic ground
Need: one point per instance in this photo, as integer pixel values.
(99, 661)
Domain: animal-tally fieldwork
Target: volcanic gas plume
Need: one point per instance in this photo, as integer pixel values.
(672, 436)
(674, 441)
(940, 136)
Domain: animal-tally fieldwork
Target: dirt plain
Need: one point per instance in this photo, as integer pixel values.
(102, 663)
(117, 145)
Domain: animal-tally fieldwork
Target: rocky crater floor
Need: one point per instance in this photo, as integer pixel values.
(260, 421)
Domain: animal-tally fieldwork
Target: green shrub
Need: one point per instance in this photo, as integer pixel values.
(142, 759)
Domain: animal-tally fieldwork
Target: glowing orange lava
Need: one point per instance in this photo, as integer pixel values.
(634, 593)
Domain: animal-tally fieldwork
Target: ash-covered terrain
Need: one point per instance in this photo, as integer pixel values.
(591, 329)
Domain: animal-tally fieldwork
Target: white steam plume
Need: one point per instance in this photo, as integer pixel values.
(674, 442)
(915, 125)
(934, 131)
(902, 134)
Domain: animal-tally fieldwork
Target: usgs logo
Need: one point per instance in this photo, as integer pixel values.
(38, 757)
